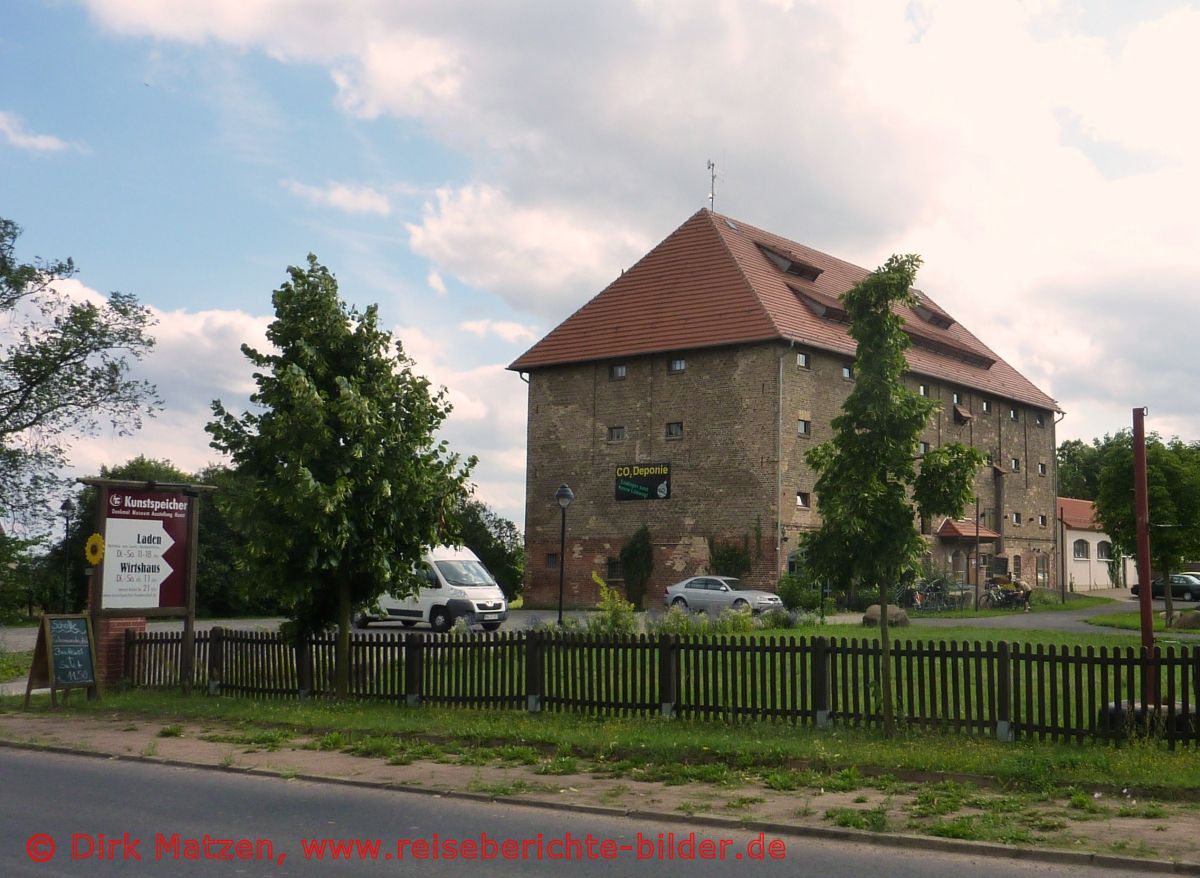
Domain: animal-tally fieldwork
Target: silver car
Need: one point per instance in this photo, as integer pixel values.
(712, 594)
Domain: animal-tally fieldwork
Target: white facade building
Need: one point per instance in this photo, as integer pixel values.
(1088, 557)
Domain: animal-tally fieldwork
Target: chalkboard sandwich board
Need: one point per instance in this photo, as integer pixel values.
(64, 657)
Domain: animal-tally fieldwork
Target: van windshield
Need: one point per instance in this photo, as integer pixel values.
(465, 573)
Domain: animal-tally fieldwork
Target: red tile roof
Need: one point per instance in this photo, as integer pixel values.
(965, 530)
(709, 283)
(1078, 514)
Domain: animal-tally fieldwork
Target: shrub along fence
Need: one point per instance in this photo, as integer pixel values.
(1008, 690)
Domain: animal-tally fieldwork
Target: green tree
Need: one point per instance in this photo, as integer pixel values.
(350, 484)
(64, 369)
(497, 542)
(1173, 492)
(869, 488)
(1079, 468)
(225, 586)
(637, 563)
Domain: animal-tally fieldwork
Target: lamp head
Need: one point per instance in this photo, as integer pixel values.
(564, 496)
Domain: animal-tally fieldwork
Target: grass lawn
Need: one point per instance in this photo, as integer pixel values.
(1133, 622)
(671, 751)
(962, 633)
(14, 665)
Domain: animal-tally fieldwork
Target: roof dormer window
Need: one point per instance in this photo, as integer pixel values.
(931, 314)
(790, 264)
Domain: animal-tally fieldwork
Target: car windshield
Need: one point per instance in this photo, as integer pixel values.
(468, 574)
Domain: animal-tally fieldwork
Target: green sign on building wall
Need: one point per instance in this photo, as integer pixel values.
(649, 481)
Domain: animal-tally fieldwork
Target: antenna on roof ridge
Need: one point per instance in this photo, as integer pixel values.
(712, 183)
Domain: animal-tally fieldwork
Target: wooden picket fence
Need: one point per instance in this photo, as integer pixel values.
(1007, 690)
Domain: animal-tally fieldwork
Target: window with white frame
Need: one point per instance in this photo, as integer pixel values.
(1015, 464)
(616, 434)
(1016, 519)
(924, 448)
(1042, 520)
(677, 365)
(803, 427)
(957, 397)
(675, 429)
(1014, 414)
(986, 405)
(803, 501)
(616, 372)
(1103, 551)
(1041, 469)
(1081, 550)
(803, 360)
(848, 373)
(923, 389)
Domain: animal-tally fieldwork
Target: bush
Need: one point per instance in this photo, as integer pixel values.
(728, 559)
(779, 619)
(799, 594)
(732, 622)
(674, 621)
(637, 563)
(614, 614)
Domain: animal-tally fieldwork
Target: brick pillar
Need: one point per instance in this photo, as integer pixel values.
(110, 648)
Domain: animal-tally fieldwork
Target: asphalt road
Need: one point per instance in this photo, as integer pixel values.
(52, 804)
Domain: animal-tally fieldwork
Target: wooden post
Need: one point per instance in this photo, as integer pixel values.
(1004, 730)
(413, 650)
(820, 681)
(216, 659)
(668, 673)
(188, 658)
(534, 675)
(127, 672)
(304, 665)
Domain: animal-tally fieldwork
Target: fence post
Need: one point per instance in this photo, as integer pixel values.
(216, 659)
(534, 677)
(413, 654)
(1004, 730)
(668, 673)
(820, 681)
(129, 663)
(304, 665)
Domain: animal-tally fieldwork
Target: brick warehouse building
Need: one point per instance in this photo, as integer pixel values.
(685, 395)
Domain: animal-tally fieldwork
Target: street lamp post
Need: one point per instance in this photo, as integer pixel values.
(564, 496)
(67, 507)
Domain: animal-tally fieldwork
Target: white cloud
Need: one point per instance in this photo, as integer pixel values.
(513, 333)
(13, 130)
(436, 283)
(342, 196)
(537, 258)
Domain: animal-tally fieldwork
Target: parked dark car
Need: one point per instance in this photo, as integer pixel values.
(712, 594)
(1185, 586)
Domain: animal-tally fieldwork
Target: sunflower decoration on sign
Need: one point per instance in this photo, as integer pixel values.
(94, 549)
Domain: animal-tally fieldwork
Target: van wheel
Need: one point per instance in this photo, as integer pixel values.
(490, 626)
(440, 619)
(361, 621)
(407, 623)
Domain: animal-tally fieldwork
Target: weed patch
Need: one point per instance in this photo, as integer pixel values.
(873, 819)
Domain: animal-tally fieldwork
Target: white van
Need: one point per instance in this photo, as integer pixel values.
(454, 585)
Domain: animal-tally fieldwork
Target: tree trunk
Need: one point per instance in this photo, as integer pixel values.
(885, 659)
(342, 648)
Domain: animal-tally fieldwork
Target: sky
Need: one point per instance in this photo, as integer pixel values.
(480, 170)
